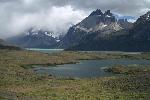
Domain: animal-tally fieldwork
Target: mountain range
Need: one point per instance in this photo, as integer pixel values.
(102, 31)
(97, 22)
(98, 31)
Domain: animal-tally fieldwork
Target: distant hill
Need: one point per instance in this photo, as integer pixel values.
(5, 45)
(34, 38)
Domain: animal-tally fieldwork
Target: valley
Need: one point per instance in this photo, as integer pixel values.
(75, 55)
(18, 81)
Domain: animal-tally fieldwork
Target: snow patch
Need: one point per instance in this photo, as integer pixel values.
(50, 34)
(105, 25)
(57, 40)
(148, 17)
(108, 16)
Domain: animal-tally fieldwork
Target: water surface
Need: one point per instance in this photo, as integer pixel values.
(87, 68)
(45, 50)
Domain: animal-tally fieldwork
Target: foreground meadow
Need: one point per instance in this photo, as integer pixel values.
(19, 82)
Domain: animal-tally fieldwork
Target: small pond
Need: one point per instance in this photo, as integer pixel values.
(86, 68)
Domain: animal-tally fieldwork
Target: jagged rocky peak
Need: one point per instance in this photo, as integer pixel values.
(108, 13)
(96, 12)
(109, 17)
(144, 18)
(97, 21)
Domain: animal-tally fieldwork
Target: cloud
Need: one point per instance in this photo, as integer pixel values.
(54, 18)
(132, 20)
(57, 15)
(125, 7)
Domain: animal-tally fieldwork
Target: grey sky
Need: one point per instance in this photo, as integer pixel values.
(57, 15)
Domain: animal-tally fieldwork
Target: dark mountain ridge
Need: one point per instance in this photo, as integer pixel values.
(97, 22)
(135, 38)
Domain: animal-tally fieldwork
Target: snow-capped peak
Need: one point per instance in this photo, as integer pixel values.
(40, 32)
(146, 16)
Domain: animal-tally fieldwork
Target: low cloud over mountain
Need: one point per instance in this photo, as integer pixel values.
(17, 16)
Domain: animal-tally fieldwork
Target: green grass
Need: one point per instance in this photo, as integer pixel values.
(129, 70)
(18, 81)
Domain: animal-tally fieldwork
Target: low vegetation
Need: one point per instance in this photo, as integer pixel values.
(19, 82)
(129, 70)
(135, 79)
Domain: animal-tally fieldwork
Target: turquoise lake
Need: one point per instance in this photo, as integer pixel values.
(86, 68)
